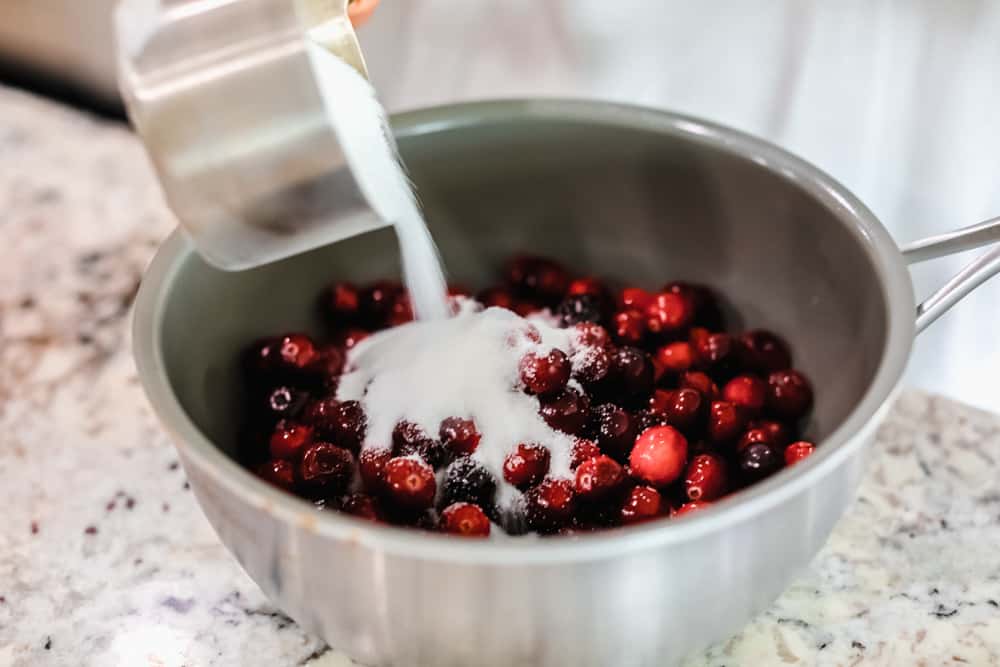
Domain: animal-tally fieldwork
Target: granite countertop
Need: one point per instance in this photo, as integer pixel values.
(105, 558)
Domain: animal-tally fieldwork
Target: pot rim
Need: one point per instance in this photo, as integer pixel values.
(199, 452)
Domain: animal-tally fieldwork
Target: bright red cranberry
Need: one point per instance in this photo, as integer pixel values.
(537, 278)
(613, 430)
(371, 465)
(629, 327)
(289, 439)
(410, 482)
(549, 506)
(632, 373)
(526, 465)
(752, 436)
(710, 348)
(467, 480)
(544, 374)
(326, 468)
(578, 308)
(747, 392)
(668, 314)
(597, 477)
(705, 478)
(725, 422)
(700, 382)
(351, 336)
(284, 402)
(641, 504)
(702, 299)
(295, 351)
(583, 449)
(362, 506)
(676, 357)
(634, 298)
(279, 472)
(761, 351)
(684, 410)
(797, 451)
(344, 423)
(779, 434)
(376, 301)
(498, 297)
(789, 394)
(459, 435)
(340, 302)
(693, 506)
(659, 455)
(408, 439)
(594, 287)
(758, 461)
(465, 519)
(567, 411)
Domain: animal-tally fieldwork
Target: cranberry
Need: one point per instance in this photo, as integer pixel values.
(725, 422)
(408, 439)
(467, 480)
(644, 419)
(567, 411)
(371, 465)
(591, 364)
(526, 308)
(761, 351)
(375, 302)
(340, 302)
(297, 351)
(362, 506)
(328, 365)
(632, 373)
(676, 357)
(597, 477)
(578, 308)
(544, 375)
(537, 278)
(746, 392)
(613, 430)
(465, 519)
(702, 300)
(710, 349)
(641, 504)
(778, 434)
(284, 402)
(326, 468)
(659, 401)
(789, 394)
(754, 435)
(401, 311)
(526, 465)
(692, 506)
(498, 297)
(797, 451)
(629, 327)
(549, 506)
(668, 314)
(410, 482)
(758, 461)
(583, 449)
(684, 409)
(459, 435)
(634, 298)
(342, 422)
(705, 478)
(288, 439)
(594, 287)
(279, 472)
(659, 455)
(523, 334)
(351, 336)
(700, 382)
(588, 334)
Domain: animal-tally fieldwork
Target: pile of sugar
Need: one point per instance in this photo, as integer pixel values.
(467, 367)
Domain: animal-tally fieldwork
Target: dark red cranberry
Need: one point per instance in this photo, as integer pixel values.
(526, 308)
(676, 357)
(289, 439)
(747, 392)
(583, 449)
(761, 351)
(567, 411)
(758, 461)
(668, 314)
(634, 298)
(685, 409)
(597, 477)
(544, 374)
(641, 504)
(285, 402)
(797, 451)
(459, 435)
(326, 468)
(375, 302)
(371, 465)
(498, 297)
(659, 455)
(578, 308)
(296, 351)
(408, 439)
(706, 307)
(465, 519)
(706, 478)
(725, 422)
(362, 506)
(789, 394)
(779, 434)
(588, 334)
(591, 364)
(754, 435)
(693, 506)
(537, 278)
(340, 302)
(401, 311)
(526, 465)
(659, 401)
(700, 382)
(613, 430)
(410, 482)
(549, 506)
(279, 472)
(467, 480)
(632, 374)
(628, 327)
(710, 349)
(644, 419)
(351, 336)
(344, 423)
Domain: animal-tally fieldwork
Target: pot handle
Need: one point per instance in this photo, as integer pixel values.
(969, 278)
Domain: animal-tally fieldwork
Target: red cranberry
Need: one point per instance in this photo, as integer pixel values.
(710, 349)
(526, 465)
(326, 468)
(459, 435)
(700, 382)
(692, 506)
(632, 373)
(410, 482)
(725, 422)
(328, 364)
(778, 434)
(702, 300)
(613, 430)
(659, 401)
(676, 357)
(591, 286)
(583, 449)
(284, 402)
(537, 278)
(544, 375)
(684, 409)
(342, 422)
(376, 301)
(588, 334)
(629, 327)
(351, 336)
(659, 455)
(362, 506)
(598, 476)
(752, 436)
(496, 297)
(758, 461)
(578, 308)
(401, 311)
(761, 351)
(789, 394)
(668, 314)
(526, 308)
(644, 419)
(371, 465)
(467, 480)
(746, 392)
(408, 439)
(288, 439)
(567, 411)
(705, 478)
(641, 504)
(465, 519)
(297, 351)
(797, 451)
(634, 298)
(549, 506)
(591, 364)
(340, 302)
(279, 472)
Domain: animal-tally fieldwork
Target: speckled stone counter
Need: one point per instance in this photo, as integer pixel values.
(105, 558)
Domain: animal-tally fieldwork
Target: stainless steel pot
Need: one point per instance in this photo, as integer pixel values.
(636, 194)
